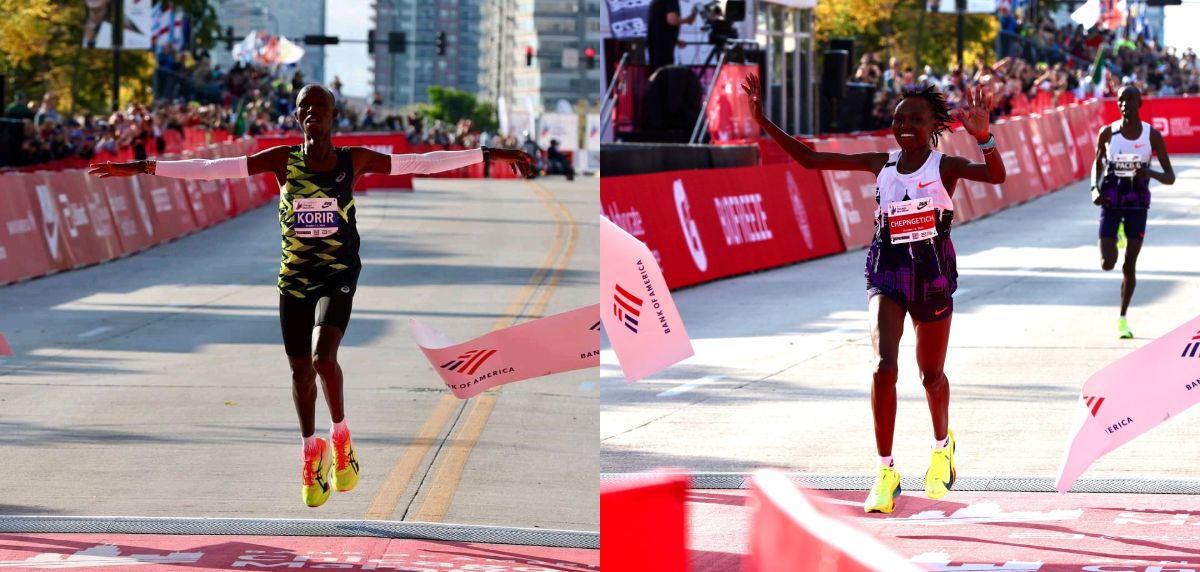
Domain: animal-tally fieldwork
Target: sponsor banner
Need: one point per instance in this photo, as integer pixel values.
(1085, 139)
(239, 191)
(644, 326)
(1177, 118)
(645, 523)
(730, 120)
(1037, 155)
(558, 343)
(1023, 180)
(959, 143)
(852, 193)
(563, 127)
(23, 250)
(84, 220)
(627, 18)
(104, 238)
(788, 527)
(1132, 396)
(593, 132)
(704, 225)
(130, 215)
(1049, 129)
(391, 143)
(44, 202)
(166, 207)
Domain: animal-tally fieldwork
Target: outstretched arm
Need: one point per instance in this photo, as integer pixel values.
(371, 161)
(803, 154)
(268, 160)
(975, 117)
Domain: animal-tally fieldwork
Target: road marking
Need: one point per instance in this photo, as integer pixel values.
(587, 386)
(388, 498)
(95, 332)
(454, 461)
(690, 385)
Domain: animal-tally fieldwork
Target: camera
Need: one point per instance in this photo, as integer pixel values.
(718, 20)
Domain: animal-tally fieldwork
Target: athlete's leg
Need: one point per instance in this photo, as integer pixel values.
(333, 317)
(296, 320)
(932, 341)
(1129, 268)
(1108, 253)
(1110, 219)
(887, 325)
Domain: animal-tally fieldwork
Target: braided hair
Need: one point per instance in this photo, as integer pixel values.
(937, 103)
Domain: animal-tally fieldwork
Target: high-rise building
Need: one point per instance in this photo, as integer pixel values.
(292, 19)
(404, 79)
(536, 50)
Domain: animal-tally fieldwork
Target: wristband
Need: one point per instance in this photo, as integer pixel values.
(487, 156)
(989, 144)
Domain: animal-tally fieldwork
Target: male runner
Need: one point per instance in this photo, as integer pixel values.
(320, 265)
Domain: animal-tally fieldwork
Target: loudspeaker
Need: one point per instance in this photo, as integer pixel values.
(834, 74)
(673, 99)
(12, 134)
(848, 45)
(735, 10)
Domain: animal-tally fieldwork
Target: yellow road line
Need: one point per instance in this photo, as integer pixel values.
(454, 460)
(513, 312)
(450, 466)
(388, 498)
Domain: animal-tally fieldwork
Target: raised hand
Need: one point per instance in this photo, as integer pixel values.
(752, 89)
(109, 169)
(975, 113)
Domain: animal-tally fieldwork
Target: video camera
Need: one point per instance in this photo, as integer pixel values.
(718, 22)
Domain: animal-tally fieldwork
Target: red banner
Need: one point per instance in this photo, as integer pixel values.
(703, 225)
(1177, 118)
(166, 204)
(730, 120)
(23, 250)
(852, 193)
(85, 222)
(1023, 179)
(131, 217)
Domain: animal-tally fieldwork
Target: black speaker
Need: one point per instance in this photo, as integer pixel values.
(12, 134)
(848, 45)
(735, 10)
(834, 75)
(3, 94)
(673, 99)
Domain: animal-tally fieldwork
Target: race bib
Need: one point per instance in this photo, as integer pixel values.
(1125, 165)
(910, 221)
(315, 218)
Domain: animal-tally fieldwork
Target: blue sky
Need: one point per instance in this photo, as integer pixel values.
(348, 19)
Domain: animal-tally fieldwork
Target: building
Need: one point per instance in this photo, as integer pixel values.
(292, 19)
(404, 79)
(557, 33)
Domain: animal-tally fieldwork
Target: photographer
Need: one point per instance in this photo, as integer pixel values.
(662, 35)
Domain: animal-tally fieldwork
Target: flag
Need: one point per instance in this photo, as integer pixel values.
(1098, 65)
(554, 344)
(1131, 396)
(159, 26)
(643, 324)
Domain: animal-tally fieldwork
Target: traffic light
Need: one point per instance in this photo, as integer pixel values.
(229, 38)
(397, 42)
(314, 40)
(370, 41)
(1164, 2)
(528, 56)
(590, 54)
(440, 43)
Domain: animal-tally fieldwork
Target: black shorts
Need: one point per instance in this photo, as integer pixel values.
(298, 316)
(1134, 219)
(921, 311)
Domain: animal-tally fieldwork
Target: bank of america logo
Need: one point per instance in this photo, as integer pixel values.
(1192, 348)
(596, 326)
(627, 308)
(469, 361)
(1093, 403)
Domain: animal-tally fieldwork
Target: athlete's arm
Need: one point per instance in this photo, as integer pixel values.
(803, 154)
(370, 161)
(1102, 141)
(269, 160)
(975, 117)
(1167, 175)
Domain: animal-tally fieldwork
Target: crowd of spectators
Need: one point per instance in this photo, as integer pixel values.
(192, 93)
(1040, 66)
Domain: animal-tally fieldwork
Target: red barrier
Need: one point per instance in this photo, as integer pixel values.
(643, 524)
(1085, 138)
(1058, 171)
(131, 215)
(23, 250)
(955, 143)
(1023, 180)
(791, 532)
(167, 206)
(730, 120)
(45, 210)
(704, 227)
(84, 218)
(852, 193)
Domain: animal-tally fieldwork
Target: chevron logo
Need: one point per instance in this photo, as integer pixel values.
(1093, 403)
(469, 361)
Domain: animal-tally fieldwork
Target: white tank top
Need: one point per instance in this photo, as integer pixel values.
(926, 182)
(1119, 145)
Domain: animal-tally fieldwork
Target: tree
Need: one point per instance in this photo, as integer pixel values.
(450, 105)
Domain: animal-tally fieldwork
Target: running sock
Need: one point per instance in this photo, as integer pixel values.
(941, 444)
(310, 443)
(886, 462)
(339, 430)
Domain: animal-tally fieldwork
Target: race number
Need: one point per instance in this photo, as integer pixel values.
(1125, 165)
(315, 218)
(910, 221)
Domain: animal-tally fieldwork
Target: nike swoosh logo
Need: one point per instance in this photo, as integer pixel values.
(923, 185)
(1138, 146)
(942, 311)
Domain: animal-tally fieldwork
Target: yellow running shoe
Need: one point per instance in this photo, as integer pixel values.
(314, 478)
(940, 476)
(883, 494)
(345, 466)
(1123, 329)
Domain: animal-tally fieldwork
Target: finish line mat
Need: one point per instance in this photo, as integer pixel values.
(151, 552)
(986, 531)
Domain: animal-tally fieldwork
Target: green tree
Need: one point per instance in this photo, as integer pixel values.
(450, 105)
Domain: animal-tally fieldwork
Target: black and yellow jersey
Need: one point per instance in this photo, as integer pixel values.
(317, 221)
